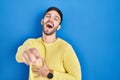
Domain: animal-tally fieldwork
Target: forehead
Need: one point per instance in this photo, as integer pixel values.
(53, 12)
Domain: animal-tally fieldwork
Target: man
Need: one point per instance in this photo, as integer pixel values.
(50, 57)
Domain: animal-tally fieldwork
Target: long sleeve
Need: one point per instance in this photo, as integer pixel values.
(27, 44)
(59, 56)
(71, 65)
(30, 43)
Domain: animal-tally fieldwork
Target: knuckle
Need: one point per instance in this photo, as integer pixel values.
(25, 52)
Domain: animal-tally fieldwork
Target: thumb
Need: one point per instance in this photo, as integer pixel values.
(39, 61)
(43, 63)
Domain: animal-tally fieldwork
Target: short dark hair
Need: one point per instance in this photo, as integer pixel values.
(56, 9)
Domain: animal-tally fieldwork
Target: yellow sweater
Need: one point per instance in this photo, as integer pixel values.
(59, 56)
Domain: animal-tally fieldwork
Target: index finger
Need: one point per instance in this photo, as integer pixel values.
(35, 52)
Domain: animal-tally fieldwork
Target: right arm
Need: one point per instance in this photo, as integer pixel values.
(26, 45)
(27, 53)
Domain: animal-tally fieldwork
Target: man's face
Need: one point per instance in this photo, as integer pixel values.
(51, 22)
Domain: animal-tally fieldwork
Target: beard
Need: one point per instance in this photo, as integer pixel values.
(48, 33)
(51, 25)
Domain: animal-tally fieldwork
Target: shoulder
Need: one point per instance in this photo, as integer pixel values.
(32, 40)
(65, 43)
(68, 49)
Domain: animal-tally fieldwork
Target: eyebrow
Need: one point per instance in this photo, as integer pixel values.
(48, 14)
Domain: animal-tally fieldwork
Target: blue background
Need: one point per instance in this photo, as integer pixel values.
(92, 27)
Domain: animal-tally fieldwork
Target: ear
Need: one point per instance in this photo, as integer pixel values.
(59, 27)
(42, 22)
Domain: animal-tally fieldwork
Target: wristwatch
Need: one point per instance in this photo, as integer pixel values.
(50, 75)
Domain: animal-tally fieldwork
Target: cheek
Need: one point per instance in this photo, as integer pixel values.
(45, 20)
(56, 23)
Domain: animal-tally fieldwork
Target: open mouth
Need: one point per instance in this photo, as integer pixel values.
(49, 26)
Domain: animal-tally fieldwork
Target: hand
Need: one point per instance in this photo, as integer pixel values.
(41, 71)
(31, 56)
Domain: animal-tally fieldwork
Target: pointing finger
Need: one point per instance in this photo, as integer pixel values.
(35, 52)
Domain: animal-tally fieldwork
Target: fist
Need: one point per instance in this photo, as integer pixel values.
(31, 56)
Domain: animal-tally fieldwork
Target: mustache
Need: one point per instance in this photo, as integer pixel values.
(49, 22)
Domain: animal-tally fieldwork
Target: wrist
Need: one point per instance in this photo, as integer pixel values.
(50, 71)
(50, 74)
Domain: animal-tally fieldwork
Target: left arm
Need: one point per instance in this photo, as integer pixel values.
(71, 65)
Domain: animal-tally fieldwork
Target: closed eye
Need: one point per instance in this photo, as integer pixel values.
(56, 18)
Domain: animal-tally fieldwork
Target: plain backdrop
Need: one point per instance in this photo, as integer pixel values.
(92, 27)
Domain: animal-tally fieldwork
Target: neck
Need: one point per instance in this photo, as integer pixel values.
(50, 38)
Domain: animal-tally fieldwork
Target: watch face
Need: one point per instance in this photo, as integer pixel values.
(50, 75)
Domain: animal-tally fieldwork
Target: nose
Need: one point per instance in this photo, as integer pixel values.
(51, 19)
